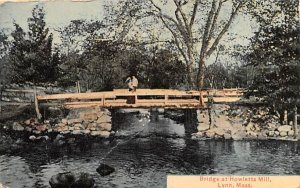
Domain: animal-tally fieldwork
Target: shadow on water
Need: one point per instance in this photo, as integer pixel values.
(145, 150)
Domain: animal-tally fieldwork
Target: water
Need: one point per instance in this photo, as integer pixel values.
(144, 152)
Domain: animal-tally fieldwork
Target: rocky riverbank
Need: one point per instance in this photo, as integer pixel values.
(83, 121)
(228, 122)
(241, 123)
(74, 127)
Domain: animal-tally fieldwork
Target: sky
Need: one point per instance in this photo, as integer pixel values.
(59, 13)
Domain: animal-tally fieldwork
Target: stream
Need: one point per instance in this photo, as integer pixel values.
(144, 151)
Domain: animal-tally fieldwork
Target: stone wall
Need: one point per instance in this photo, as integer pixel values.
(241, 123)
(92, 121)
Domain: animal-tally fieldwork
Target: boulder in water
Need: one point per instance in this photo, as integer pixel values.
(83, 180)
(105, 169)
(62, 180)
(71, 180)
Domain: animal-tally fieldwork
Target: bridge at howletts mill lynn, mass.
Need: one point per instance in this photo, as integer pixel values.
(142, 98)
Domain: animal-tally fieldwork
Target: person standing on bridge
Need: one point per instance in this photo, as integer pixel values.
(135, 83)
(129, 80)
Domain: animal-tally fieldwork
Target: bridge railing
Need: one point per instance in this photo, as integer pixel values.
(141, 98)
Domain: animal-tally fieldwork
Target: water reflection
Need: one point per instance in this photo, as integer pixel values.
(145, 159)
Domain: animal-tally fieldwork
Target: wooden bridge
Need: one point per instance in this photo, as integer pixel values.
(142, 98)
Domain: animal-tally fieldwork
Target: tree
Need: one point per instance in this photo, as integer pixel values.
(160, 68)
(275, 55)
(191, 23)
(31, 53)
(4, 43)
(4, 66)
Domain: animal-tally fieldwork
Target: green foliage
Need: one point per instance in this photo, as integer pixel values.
(276, 54)
(4, 66)
(31, 53)
(4, 43)
(163, 70)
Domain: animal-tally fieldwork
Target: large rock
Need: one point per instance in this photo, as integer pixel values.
(271, 133)
(72, 180)
(262, 135)
(106, 111)
(78, 126)
(60, 125)
(200, 116)
(76, 132)
(27, 122)
(59, 137)
(210, 133)
(28, 129)
(220, 131)
(36, 132)
(239, 135)
(90, 117)
(104, 134)
(283, 133)
(227, 136)
(203, 127)
(105, 169)
(92, 126)
(104, 119)
(62, 180)
(291, 133)
(105, 127)
(83, 180)
(71, 121)
(199, 134)
(17, 127)
(41, 128)
(284, 128)
(271, 126)
(64, 121)
(86, 131)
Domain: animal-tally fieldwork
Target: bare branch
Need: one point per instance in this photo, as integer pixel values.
(207, 28)
(213, 25)
(194, 13)
(225, 28)
(160, 15)
(157, 7)
(175, 36)
(183, 15)
(181, 27)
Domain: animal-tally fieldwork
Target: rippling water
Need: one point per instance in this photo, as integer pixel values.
(144, 152)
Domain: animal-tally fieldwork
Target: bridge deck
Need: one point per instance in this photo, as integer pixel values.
(142, 98)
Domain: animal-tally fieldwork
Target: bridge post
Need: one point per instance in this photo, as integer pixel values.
(37, 110)
(285, 118)
(102, 100)
(190, 125)
(166, 99)
(295, 122)
(135, 99)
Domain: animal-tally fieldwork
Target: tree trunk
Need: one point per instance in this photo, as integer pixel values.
(189, 76)
(200, 76)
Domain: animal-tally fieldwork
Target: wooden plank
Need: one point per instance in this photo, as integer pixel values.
(20, 91)
(96, 95)
(169, 98)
